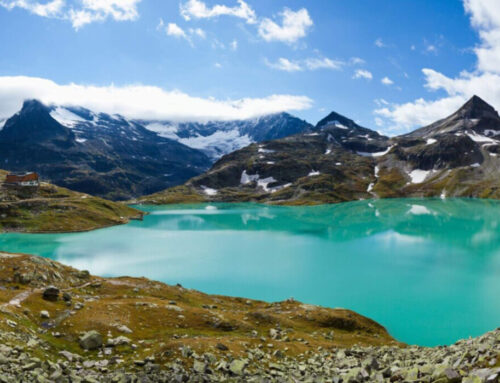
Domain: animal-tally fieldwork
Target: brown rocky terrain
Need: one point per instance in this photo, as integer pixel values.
(58, 324)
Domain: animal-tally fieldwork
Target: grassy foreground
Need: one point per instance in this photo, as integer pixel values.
(91, 329)
(50, 208)
(163, 319)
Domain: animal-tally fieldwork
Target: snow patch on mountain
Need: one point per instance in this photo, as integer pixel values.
(219, 143)
(66, 117)
(166, 130)
(418, 176)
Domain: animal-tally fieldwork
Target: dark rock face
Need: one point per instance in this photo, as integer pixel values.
(97, 154)
(451, 152)
(51, 293)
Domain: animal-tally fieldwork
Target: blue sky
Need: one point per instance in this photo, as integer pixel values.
(208, 56)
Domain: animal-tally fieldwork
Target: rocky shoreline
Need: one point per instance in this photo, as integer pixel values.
(467, 361)
(58, 324)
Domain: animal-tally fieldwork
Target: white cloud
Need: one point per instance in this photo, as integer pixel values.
(199, 10)
(198, 32)
(173, 29)
(294, 26)
(311, 64)
(402, 117)
(485, 17)
(141, 101)
(362, 73)
(81, 12)
(234, 45)
(323, 63)
(483, 81)
(387, 81)
(356, 61)
(379, 43)
(285, 65)
(431, 48)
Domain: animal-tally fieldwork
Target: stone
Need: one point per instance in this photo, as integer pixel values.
(118, 341)
(472, 379)
(44, 314)
(83, 274)
(237, 366)
(124, 329)
(66, 297)
(199, 367)
(51, 293)
(91, 340)
(221, 346)
(445, 374)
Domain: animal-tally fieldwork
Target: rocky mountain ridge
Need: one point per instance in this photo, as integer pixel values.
(118, 158)
(96, 154)
(340, 161)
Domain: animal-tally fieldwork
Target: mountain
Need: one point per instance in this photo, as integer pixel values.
(99, 154)
(218, 138)
(331, 163)
(341, 161)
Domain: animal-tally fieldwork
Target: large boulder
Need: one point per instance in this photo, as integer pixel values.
(51, 293)
(91, 340)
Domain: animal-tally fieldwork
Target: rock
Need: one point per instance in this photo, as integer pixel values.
(186, 351)
(91, 340)
(237, 366)
(222, 347)
(371, 364)
(472, 379)
(118, 341)
(200, 367)
(445, 374)
(66, 297)
(83, 274)
(124, 329)
(69, 356)
(274, 334)
(51, 293)
(487, 375)
(44, 314)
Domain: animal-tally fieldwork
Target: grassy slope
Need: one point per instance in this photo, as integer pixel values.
(54, 209)
(161, 328)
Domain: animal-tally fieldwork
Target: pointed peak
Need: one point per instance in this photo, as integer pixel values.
(32, 105)
(476, 107)
(336, 118)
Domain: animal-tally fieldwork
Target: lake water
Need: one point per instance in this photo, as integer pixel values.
(428, 270)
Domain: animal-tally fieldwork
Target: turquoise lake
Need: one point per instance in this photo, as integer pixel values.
(428, 270)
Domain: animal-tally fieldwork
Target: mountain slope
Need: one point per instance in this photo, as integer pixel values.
(218, 138)
(332, 163)
(49, 208)
(98, 154)
(341, 161)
